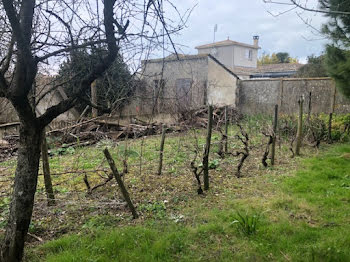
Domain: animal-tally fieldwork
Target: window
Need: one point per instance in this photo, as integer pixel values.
(249, 54)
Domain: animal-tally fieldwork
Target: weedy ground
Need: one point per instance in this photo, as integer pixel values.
(298, 210)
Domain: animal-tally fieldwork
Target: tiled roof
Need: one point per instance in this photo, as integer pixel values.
(270, 68)
(281, 67)
(239, 70)
(173, 57)
(226, 43)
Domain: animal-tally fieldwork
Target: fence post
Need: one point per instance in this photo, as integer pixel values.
(226, 130)
(46, 170)
(331, 114)
(120, 182)
(273, 146)
(309, 108)
(330, 127)
(161, 152)
(94, 98)
(207, 148)
(300, 126)
(281, 94)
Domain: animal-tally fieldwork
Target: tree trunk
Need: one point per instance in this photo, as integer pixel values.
(25, 184)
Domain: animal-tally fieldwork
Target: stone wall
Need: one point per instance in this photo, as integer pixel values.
(163, 98)
(260, 96)
(7, 112)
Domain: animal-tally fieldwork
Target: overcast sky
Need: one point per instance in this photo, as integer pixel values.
(241, 19)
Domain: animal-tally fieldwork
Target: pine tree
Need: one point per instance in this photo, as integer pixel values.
(338, 66)
(338, 53)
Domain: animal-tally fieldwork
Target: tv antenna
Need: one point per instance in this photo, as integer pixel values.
(215, 30)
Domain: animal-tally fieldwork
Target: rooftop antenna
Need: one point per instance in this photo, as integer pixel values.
(215, 30)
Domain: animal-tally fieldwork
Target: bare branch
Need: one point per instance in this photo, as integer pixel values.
(65, 24)
(98, 70)
(69, 49)
(319, 10)
(305, 8)
(8, 57)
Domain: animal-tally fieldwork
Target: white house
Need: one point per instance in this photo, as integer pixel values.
(234, 55)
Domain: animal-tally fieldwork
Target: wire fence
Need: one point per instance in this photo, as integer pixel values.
(73, 169)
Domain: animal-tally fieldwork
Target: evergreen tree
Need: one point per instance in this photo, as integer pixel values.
(338, 53)
(283, 57)
(113, 88)
(315, 67)
(338, 66)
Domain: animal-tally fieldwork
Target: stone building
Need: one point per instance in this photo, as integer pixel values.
(242, 59)
(178, 84)
(225, 73)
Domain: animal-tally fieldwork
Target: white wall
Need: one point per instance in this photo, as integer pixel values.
(233, 55)
(225, 54)
(240, 58)
(222, 85)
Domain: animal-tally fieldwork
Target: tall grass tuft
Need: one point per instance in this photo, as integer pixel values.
(247, 224)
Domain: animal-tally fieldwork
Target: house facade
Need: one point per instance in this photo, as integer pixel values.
(234, 55)
(178, 84)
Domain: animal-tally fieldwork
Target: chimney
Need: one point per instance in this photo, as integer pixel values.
(256, 40)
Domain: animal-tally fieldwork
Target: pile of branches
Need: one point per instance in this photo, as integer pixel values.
(198, 118)
(91, 131)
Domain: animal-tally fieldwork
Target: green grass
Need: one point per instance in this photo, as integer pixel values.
(304, 215)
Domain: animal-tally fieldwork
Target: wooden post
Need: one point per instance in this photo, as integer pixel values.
(141, 155)
(334, 98)
(207, 148)
(331, 114)
(94, 98)
(300, 126)
(226, 130)
(281, 94)
(309, 108)
(120, 182)
(273, 146)
(330, 127)
(161, 151)
(46, 170)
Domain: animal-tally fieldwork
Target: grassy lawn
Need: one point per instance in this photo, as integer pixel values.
(280, 214)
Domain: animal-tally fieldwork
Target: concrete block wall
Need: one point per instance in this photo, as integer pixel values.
(260, 96)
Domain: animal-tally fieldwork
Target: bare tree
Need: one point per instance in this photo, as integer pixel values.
(40, 34)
